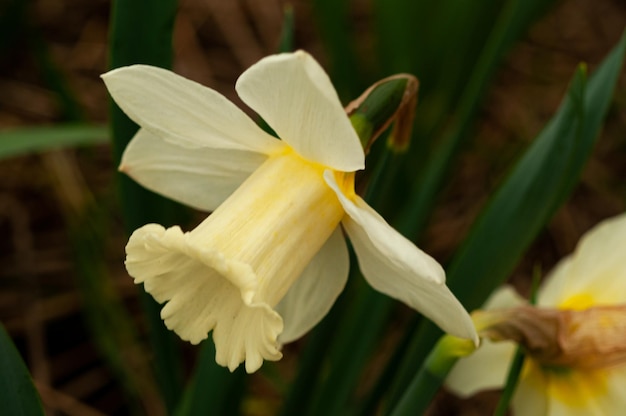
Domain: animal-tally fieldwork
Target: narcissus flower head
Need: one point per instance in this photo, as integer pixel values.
(574, 339)
(271, 259)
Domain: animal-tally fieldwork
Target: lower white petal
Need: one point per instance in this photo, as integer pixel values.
(571, 392)
(530, 397)
(314, 293)
(395, 266)
(485, 369)
(614, 400)
(199, 177)
(204, 291)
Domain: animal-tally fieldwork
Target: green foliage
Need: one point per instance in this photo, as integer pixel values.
(212, 390)
(18, 396)
(141, 32)
(20, 141)
(416, 37)
(536, 187)
(454, 48)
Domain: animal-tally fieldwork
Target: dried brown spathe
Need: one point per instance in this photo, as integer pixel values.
(585, 339)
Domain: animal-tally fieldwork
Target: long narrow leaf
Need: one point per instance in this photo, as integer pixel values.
(515, 18)
(416, 54)
(333, 20)
(538, 185)
(20, 141)
(141, 32)
(212, 390)
(18, 396)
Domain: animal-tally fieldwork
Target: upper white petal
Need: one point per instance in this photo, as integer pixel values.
(296, 98)
(596, 269)
(504, 296)
(201, 178)
(395, 266)
(183, 111)
(310, 298)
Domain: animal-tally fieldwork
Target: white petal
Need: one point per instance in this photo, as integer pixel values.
(485, 369)
(183, 111)
(530, 397)
(296, 98)
(201, 178)
(204, 292)
(314, 293)
(596, 270)
(614, 401)
(504, 296)
(395, 266)
(575, 393)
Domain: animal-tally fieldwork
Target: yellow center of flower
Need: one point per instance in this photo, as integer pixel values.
(578, 302)
(573, 388)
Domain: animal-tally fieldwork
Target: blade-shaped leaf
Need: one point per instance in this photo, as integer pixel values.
(537, 186)
(17, 393)
(19, 141)
(141, 32)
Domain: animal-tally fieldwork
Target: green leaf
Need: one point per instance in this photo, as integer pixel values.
(20, 141)
(287, 34)
(18, 395)
(514, 19)
(410, 47)
(141, 32)
(333, 20)
(536, 187)
(517, 364)
(431, 375)
(212, 390)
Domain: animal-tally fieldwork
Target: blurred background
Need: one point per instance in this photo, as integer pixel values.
(63, 248)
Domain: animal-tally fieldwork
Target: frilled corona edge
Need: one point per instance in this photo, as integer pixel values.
(205, 291)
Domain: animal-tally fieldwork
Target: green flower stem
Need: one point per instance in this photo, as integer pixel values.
(512, 380)
(375, 110)
(212, 389)
(309, 368)
(370, 115)
(418, 396)
(515, 368)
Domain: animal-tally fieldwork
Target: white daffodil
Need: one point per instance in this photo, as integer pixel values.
(576, 337)
(271, 259)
